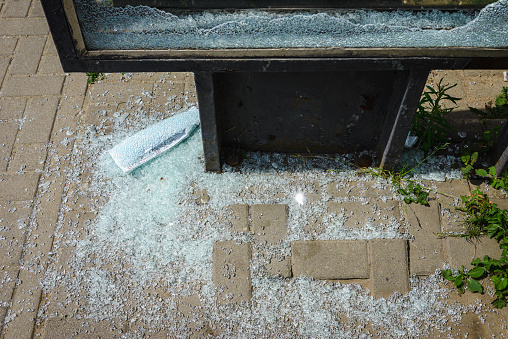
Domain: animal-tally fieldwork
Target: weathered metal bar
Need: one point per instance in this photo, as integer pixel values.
(403, 119)
(211, 138)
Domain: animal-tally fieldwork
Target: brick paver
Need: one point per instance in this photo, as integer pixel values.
(330, 259)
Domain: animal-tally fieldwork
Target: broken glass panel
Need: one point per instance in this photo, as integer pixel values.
(108, 27)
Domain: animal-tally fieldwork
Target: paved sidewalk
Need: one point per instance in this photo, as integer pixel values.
(43, 111)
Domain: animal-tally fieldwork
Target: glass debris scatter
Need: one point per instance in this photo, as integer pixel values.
(143, 27)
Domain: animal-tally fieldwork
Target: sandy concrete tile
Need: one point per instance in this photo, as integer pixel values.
(75, 85)
(14, 220)
(39, 117)
(8, 280)
(8, 132)
(231, 271)
(7, 45)
(35, 85)
(4, 63)
(461, 251)
(18, 187)
(12, 108)
(389, 269)
(23, 27)
(330, 259)
(36, 10)
(426, 250)
(16, 8)
(50, 64)
(28, 55)
(240, 218)
(28, 157)
(359, 214)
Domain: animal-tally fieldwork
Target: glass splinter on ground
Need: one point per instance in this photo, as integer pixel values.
(170, 249)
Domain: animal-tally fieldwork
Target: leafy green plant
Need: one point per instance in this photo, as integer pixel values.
(497, 109)
(93, 77)
(469, 160)
(490, 173)
(429, 123)
(484, 217)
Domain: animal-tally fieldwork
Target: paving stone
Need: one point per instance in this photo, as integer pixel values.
(39, 117)
(426, 250)
(33, 85)
(119, 92)
(18, 187)
(359, 214)
(3, 313)
(50, 64)
(75, 85)
(28, 55)
(12, 108)
(231, 271)
(448, 193)
(462, 252)
(4, 63)
(66, 327)
(483, 88)
(17, 27)
(8, 132)
(7, 45)
(388, 266)
(330, 259)
(25, 304)
(7, 282)
(269, 222)
(240, 220)
(36, 10)
(16, 9)
(28, 157)
(14, 220)
(51, 50)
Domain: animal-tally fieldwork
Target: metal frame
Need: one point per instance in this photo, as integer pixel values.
(205, 63)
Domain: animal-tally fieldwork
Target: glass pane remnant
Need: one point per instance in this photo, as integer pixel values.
(107, 27)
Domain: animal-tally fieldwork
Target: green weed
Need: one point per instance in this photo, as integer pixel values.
(497, 109)
(429, 123)
(93, 77)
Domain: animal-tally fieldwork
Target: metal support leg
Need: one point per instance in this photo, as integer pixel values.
(393, 143)
(207, 114)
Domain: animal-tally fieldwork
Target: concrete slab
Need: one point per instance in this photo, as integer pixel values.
(18, 187)
(36, 85)
(8, 132)
(39, 117)
(231, 272)
(240, 220)
(389, 269)
(330, 259)
(461, 251)
(359, 214)
(12, 108)
(14, 220)
(28, 55)
(426, 250)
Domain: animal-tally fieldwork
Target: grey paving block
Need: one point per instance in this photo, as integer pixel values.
(7, 283)
(28, 157)
(8, 132)
(75, 85)
(4, 63)
(461, 251)
(3, 313)
(7, 45)
(14, 220)
(240, 220)
(16, 8)
(36, 10)
(50, 64)
(17, 27)
(330, 259)
(269, 222)
(389, 269)
(18, 187)
(231, 271)
(35, 85)
(12, 108)
(28, 55)
(426, 250)
(448, 193)
(39, 116)
(51, 50)
(358, 214)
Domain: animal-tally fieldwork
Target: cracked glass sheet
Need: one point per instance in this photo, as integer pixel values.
(106, 27)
